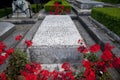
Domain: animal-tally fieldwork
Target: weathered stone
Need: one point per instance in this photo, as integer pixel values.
(5, 29)
(88, 4)
(56, 41)
(21, 8)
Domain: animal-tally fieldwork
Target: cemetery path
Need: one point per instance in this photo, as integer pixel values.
(19, 29)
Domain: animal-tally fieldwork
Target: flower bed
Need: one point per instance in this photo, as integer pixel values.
(53, 6)
(94, 68)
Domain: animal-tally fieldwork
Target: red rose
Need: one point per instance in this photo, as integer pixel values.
(10, 51)
(28, 43)
(3, 76)
(28, 67)
(86, 63)
(107, 55)
(66, 66)
(2, 46)
(108, 47)
(116, 62)
(82, 49)
(101, 66)
(94, 48)
(89, 74)
(19, 37)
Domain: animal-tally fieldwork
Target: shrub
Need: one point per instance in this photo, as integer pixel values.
(17, 61)
(111, 1)
(36, 7)
(4, 13)
(109, 17)
(50, 4)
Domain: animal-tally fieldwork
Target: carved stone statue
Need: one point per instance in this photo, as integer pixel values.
(20, 8)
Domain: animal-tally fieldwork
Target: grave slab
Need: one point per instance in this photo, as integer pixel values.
(56, 41)
(88, 4)
(6, 29)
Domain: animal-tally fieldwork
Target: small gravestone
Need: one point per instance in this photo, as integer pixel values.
(21, 8)
(6, 29)
(56, 41)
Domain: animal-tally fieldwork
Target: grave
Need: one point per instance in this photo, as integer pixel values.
(88, 4)
(6, 28)
(21, 8)
(56, 41)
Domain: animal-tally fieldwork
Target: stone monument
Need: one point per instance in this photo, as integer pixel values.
(21, 8)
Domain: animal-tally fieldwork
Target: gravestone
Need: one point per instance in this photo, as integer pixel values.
(88, 4)
(21, 8)
(6, 29)
(56, 41)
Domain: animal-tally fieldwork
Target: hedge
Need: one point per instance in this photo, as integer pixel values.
(4, 13)
(35, 6)
(50, 4)
(110, 17)
(111, 1)
(9, 10)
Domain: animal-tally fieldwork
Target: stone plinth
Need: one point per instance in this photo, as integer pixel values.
(6, 29)
(56, 41)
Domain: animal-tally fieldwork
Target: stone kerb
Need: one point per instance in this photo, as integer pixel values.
(56, 41)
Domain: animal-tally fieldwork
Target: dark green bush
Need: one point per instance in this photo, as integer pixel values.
(36, 7)
(111, 1)
(50, 4)
(5, 13)
(110, 17)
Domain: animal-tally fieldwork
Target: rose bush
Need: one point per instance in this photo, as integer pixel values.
(95, 68)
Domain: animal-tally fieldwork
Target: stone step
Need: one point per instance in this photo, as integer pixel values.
(58, 67)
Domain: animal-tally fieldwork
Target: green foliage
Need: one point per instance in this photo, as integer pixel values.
(17, 62)
(109, 17)
(5, 13)
(50, 4)
(91, 56)
(106, 76)
(110, 1)
(36, 7)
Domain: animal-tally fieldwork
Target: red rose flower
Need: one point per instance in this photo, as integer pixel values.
(28, 43)
(2, 59)
(2, 46)
(90, 74)
(66, 66)
(82, 49)
(62, 7)
(107, 55)
(3, 76)
(86, 63)
(28, 67)
(10, 51)
(18, 38)
(116, 62)
(94, 48)
(56, 4)
(101, 66)
(108, 47)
